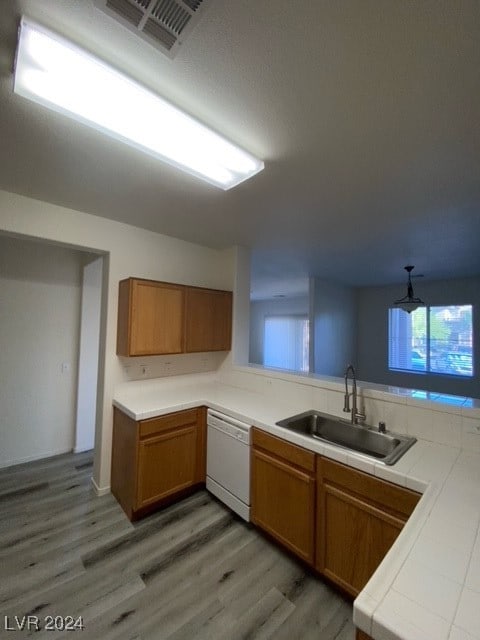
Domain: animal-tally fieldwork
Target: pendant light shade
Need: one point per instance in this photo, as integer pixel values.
(409, 302)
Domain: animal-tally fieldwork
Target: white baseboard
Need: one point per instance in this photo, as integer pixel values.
(38, 456)
(100, 491)
(82, 449)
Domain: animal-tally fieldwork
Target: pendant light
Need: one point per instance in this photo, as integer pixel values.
(409, 302)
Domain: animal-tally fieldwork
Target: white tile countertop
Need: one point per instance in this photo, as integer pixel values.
(428, 585)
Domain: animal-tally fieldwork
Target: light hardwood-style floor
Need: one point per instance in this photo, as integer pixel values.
(191, 571)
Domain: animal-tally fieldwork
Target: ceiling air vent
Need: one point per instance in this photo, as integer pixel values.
(165, 24)
(126, 10)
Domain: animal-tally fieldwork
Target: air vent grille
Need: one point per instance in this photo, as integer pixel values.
(163, 23)
(193, 4)
(172, 15)
(126, 10)
(159, 33)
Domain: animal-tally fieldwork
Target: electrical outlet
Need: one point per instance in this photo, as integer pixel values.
(65, 367)
(143, 369)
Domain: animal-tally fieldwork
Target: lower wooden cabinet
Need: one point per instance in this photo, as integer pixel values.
(155, 460)
(283, 493)
(338, 519)
(358, 519)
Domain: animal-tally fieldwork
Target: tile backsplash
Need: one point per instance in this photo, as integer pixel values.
(441, 418)
(148, 367)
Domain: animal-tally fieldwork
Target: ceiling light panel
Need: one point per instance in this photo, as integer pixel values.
(55, 73)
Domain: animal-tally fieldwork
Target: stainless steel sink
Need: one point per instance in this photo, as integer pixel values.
(385, 447)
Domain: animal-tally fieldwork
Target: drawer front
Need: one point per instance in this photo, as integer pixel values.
(290, 452)
(389, 496)
(153, 426)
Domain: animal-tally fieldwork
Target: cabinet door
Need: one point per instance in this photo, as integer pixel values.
(123, 478)
(208, 325)
(201, 451)
(167, 464)
(361, 635)
(353, 537)
(283, 502)
(156, 318)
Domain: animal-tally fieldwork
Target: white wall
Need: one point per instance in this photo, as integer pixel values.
(89, 354)
(372, 351)
(335, 336)
(40, 289)
(241, 306)
(260, 309)
(131, 252)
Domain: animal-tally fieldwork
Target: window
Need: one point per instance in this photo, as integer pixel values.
(431, 340)
(286, 342)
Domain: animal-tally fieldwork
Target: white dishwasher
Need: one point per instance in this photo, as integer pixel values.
(228, 461)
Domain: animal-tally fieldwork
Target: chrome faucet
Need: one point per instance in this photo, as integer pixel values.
(356, 416)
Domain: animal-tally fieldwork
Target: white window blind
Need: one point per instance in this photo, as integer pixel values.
(286, 342)
(431, 340)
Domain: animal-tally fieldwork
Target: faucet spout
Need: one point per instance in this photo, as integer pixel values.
(356, 416)
(346, 404)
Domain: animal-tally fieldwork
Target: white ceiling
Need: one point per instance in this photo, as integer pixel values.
(366, 113)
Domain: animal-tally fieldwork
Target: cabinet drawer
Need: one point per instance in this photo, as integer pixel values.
(385, 494)
(290, 452)
(153, 426)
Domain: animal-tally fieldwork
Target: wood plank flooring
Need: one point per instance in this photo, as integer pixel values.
(192, 571)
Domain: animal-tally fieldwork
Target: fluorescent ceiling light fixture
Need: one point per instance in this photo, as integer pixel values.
(57, 74)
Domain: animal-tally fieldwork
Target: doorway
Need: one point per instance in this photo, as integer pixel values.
(44, 334)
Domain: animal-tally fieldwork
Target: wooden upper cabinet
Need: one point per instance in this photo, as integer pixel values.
(208, 320)
(150, 318)
(157, 318)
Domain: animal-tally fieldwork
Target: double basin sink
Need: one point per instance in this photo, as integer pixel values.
(384, 447)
